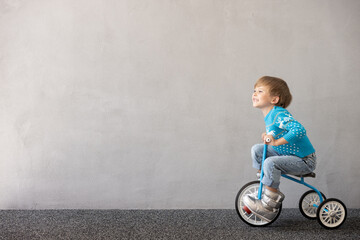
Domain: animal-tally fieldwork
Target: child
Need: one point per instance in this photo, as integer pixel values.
(289, 151)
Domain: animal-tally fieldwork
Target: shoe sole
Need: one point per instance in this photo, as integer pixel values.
(258, 215)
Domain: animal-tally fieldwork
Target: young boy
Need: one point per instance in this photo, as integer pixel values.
(289, 151)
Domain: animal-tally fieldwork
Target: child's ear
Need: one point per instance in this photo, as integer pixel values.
(275, 100)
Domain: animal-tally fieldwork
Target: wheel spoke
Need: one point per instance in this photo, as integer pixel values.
(250, 216)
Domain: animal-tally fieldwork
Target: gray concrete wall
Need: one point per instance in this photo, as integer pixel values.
(147, 104)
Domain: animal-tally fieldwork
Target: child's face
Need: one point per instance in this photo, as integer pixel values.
(261, 97)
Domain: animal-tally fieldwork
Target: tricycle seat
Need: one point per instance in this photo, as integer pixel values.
(312, 175)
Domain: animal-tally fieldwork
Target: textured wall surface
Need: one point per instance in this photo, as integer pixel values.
(147, 104)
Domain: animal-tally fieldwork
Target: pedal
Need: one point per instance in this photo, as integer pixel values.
(247, 210)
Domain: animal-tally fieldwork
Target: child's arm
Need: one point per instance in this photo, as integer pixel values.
(280, 141)
(275, 142)
(295, 131)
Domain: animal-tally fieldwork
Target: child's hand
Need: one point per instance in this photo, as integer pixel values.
(263, 136)
(272, 140)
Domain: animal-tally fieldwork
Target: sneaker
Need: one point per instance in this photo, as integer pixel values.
(257, 208)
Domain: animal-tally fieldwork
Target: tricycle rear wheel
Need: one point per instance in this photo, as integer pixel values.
(306, 204)
(331, 213)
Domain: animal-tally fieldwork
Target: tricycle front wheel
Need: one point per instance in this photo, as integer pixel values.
(248, 217)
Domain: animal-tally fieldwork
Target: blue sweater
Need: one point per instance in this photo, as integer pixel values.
(279, 123)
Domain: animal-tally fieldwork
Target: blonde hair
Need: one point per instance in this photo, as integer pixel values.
(277, 87)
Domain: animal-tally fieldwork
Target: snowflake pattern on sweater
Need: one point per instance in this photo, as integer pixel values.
(280, 123)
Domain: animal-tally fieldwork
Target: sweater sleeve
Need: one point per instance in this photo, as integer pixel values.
(295, 131)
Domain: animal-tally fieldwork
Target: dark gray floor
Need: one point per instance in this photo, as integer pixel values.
(164, 224)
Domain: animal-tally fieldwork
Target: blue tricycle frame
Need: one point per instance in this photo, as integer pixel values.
(331, 213)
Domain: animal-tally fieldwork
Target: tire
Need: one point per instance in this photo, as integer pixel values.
(306, 204)
(251, 219)
(331, 213)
